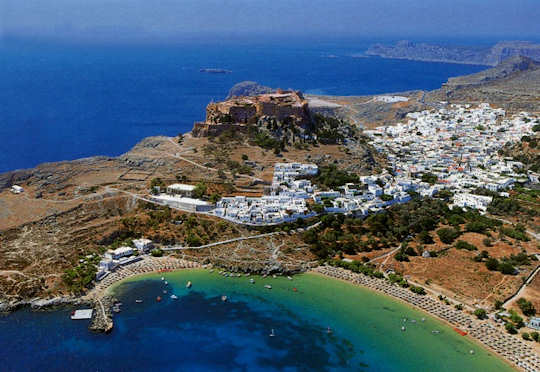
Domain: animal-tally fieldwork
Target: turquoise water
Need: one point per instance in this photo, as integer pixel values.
(200, 332)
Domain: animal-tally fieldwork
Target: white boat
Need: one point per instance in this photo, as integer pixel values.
(272, 334)
(224, 298)
(138, 301)
(328, 330)
(268, 286)
(164, 291)
(174, 297)
(166, 282)
(289, 278)
(252, 281)
(188, 285)
(403, 329)
(274, 276)
(162, 278)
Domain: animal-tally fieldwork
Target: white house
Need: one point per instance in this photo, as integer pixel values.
(16, 189)
(119, 253)
(143, 245)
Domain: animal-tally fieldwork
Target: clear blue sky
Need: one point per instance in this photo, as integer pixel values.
(162, 20)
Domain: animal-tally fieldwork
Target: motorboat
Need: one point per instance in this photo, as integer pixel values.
(174, 297)
(268, 286)
(224, 298)
(272, 334)
(252, 281)
(188, 285)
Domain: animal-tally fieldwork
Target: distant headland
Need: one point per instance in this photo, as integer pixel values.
(489, 56)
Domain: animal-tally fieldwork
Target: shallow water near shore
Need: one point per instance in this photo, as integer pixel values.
(200, 332)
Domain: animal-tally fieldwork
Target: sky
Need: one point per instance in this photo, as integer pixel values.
(169, 20)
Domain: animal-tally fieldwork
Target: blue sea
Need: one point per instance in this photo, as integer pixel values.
(67, 101)
(319, 324)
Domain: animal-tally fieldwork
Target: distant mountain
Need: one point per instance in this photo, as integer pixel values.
(505, 69)
(248, 88)
(490, 56)
(514, 85)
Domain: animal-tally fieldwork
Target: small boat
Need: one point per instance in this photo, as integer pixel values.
(423, 319)
(268, 286)
(288, 277)
(138, 301)
(328, 330)
(247, 274)
(274, 276)
(166, 282)
(224, 298)
(174, 297)
(116, 309)
(158, 298)
(413, 321)
(252, 281)
(272, 334)
(471, 351)
(435, 332)
(164, 292)
(212, 270)
(162, 278)
(188, 285)
(403, 328)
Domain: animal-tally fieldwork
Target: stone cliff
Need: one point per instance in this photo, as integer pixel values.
(239, 112)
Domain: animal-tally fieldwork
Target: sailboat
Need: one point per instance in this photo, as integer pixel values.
(272, 334)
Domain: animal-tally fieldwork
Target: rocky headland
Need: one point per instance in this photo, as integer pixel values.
(490, 56)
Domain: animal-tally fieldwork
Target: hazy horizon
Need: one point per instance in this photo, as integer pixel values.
(138, 21)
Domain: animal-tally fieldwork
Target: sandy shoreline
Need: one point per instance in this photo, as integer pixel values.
(512, 350)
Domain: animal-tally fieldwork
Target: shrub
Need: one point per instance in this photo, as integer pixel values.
(448, 235)
(525, 336)
(425, 237)
(480, 313)
(245, 157)
(487, 242)
(429, 178)
(510, 328)
(492, 264)
(464, 245)
(417, 290)
(506, 268)
(156, 252)
(527, 308)
(535, 336)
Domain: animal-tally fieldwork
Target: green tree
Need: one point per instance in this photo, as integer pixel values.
(199, 191)
(492, 264)
(510, 328)
(447, 235)
(480, 313)
(527, 308)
